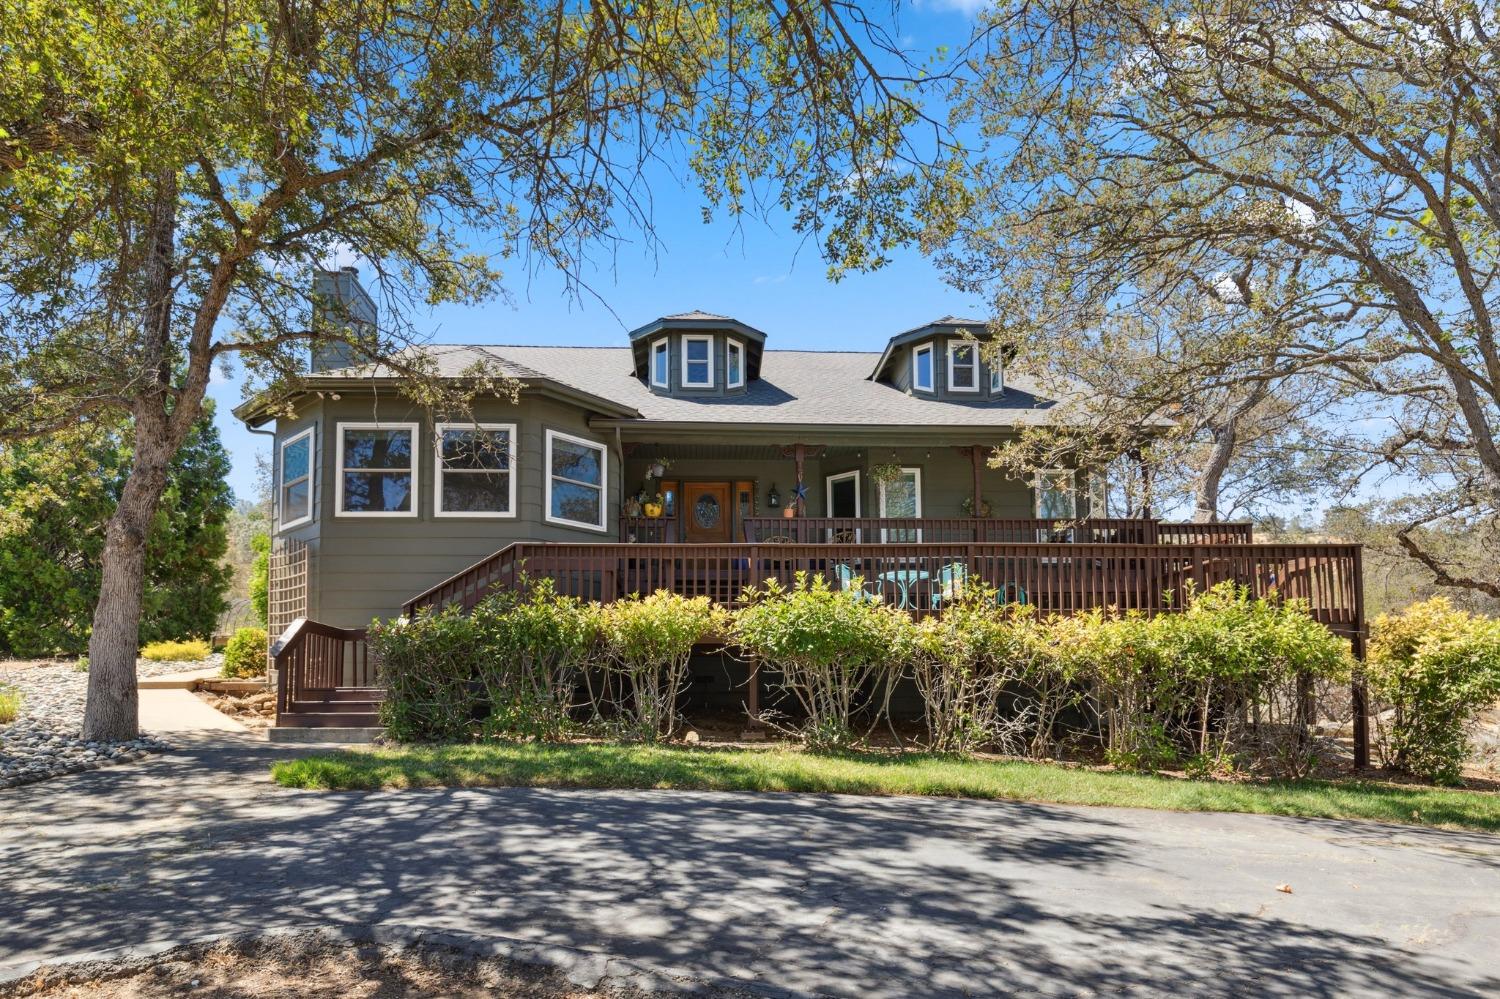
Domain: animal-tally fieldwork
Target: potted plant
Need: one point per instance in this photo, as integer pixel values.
(659, 467)
(885, 472)
(633, 506)
(653, 505)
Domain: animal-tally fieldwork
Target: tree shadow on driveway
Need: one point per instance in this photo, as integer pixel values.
(812, 894)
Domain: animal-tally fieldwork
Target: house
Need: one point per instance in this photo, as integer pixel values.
(391, 499)
(673, 461)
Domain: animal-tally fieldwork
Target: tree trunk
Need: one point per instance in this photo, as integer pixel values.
(111, 712)
(1206, 489)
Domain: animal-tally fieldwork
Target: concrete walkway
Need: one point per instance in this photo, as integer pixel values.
(808, 895)
(171, 711)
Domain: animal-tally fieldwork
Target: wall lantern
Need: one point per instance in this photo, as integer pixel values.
(773, 498)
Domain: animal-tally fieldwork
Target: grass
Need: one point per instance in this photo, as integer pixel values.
(10, 704)
(192, 650)
(783, 769)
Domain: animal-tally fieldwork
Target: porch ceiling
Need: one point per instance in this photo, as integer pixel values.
(739, 452)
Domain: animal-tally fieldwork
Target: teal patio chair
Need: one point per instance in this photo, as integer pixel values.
(950, 581)
(846, 577)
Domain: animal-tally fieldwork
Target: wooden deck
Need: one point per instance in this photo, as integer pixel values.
(327, 678)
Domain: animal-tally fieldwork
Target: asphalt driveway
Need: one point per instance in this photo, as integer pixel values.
(785, 893)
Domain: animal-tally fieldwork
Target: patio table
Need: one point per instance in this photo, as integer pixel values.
(903, 580)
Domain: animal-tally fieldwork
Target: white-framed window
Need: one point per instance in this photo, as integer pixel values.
(734, 364)
(377, 470)
(997, 376)
(476, 470)
(963, 366)
(577, 481)
(661, 363)
(921, 368)
(1056, 494)
(902, 497)
(697, 361)
(296, 479)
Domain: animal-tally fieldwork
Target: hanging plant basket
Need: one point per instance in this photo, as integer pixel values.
(968, 507)
(887, 472)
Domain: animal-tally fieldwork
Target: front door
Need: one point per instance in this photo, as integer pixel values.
(706, 512)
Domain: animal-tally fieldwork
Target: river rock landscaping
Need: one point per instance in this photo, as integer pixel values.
(44, 740)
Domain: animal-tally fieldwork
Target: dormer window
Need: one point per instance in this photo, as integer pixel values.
(997, 378)
(734, 364)
(921, 368)
(963, 366)
(697, 362)
(661, 363)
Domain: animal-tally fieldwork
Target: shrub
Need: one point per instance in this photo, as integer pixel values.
(648, 643)
(260, 577)
(836, 652)
(1433, 668)
(191, 650)
(1227, 679)
(10, 704)
(245, 654)
(985, 676)
(531, 652)
(428, 666)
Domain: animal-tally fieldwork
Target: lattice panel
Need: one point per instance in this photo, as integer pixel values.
(287, 585)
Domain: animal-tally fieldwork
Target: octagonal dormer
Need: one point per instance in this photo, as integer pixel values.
(943, 359)
(696, 354)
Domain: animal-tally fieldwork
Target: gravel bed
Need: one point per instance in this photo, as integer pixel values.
(44, 740)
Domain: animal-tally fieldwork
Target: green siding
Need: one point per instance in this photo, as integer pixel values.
(364, 567)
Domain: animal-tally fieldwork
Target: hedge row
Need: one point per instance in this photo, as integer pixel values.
(1223, 684)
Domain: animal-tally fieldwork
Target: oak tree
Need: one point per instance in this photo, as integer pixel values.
(171, 171)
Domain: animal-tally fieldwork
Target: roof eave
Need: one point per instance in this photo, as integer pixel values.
(258, 411)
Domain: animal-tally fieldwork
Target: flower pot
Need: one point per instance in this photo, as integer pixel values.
(657, 470)
(789, 512)
(653, 509)
(632, 507)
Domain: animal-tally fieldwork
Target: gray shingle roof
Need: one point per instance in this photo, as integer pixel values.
(795, 387)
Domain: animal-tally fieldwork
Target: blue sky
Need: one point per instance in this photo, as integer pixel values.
(762, 274)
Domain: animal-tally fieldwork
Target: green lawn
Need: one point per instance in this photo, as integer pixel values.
(783, 769)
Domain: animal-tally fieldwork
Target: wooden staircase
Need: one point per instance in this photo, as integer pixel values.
(325, 678)
(340, 707)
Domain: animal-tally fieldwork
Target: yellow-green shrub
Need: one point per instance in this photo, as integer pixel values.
(1222, 680)
(531, 651)
(648, 642)
(987, 676)
(835, 651)
(1433, 667)
(10, 704)
(191, 650)
(245, 654)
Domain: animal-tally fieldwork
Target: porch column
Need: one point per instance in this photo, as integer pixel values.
(974, 459)
(799, 453)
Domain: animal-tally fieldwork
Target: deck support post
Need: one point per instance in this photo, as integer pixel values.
(1359, 703)
(752, 693)
(1359, 700)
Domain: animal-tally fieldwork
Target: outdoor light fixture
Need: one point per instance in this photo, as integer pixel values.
(773, 498)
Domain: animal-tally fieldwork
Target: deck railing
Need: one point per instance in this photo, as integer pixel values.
(1062, 578)
(1186, 533)
(948, 530)
(313, 660)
